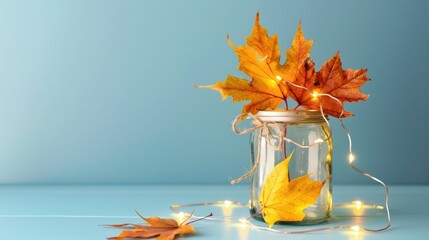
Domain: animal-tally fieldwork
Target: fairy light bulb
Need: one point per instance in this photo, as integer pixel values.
(227, 208)
(279, 78)
(355, 228)
(315, 94)
(243, 221)
(358, 204)
(319, 140)
(181, 216)
(351, 157)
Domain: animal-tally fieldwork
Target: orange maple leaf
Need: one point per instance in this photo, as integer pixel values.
(265, 46)
(295, 56)
(305, 77)
(163, 229)
(259, 59)
(331, 79)
(241, 90)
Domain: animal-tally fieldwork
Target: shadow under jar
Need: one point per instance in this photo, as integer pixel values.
(304, 127)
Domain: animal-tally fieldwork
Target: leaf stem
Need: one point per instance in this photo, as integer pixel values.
(284, 146)
(199, 219)
(297, 106)
(257, 212)
(284, 136)
(284, 142)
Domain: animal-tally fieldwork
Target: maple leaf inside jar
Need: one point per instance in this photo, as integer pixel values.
(292, 182)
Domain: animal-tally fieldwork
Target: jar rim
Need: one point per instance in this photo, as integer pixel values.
(291, 116)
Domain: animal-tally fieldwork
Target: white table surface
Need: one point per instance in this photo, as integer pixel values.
(76, 212)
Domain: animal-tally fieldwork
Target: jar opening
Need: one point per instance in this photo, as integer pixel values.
(291, 116)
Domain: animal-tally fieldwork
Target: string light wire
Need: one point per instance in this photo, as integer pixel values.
(351, 159)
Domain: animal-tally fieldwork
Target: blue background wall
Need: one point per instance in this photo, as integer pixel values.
(101, 91)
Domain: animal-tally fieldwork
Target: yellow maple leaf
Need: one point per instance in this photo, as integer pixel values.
(259, 59)
(264, 45)
(240, 90)
(282, 200)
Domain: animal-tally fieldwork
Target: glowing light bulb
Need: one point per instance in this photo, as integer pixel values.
(355, 228)
(351, 157)
(181, 217)
(227, 208)
(278, 77)
(263, 58)
(315, 94)
(243, 220)
(358, 204)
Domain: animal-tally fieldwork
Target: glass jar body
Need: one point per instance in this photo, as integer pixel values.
(314, 160)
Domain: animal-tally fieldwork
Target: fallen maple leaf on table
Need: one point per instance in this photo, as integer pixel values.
(162, 229)
(282, 200)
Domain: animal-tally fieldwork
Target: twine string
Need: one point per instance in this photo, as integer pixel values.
(264, 128)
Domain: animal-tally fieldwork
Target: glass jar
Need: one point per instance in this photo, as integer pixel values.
(304, 128)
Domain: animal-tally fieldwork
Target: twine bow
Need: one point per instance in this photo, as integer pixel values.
(265, 128)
